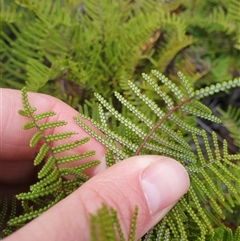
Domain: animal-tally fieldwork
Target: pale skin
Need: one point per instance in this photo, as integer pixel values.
(126, 184)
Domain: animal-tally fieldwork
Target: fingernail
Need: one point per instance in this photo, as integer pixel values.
(163, 183)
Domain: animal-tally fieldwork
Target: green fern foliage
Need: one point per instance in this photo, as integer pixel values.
(54, 183)
(8, 211)
(105, 225)
(71, 49)
(72, 45)
(231, 120)
(225, 234)
(214, 174)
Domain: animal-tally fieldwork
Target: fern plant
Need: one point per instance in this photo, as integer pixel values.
(69, 49)
(214, 172)
(231, 120)
(55, 181)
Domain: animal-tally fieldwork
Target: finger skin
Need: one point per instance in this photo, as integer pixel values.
(15, 154)
(119, 187)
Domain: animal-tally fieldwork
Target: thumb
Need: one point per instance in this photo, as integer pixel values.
(153, 183)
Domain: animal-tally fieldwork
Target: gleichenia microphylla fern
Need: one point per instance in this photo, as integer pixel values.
(55, 180)
(213, 171)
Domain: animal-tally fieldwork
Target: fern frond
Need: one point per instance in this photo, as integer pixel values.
(157, 111)
(28, 110)
(237, 234)
(194, 218)
(48, 179)
(133, 224)
(177, 92)
(120, 154)
(53, 124)
(142, 117)
(36, 193)
(212, 172)
(74, 157)
(69, 146)
(105, 224)
(9, 13)
(38, 71)
(213, 89)
(35, 138)
(231, 120)
(78, 175)
(41, 154)
(178, 218)
(28, 125)
(3, 210)
(169, 50)
(18, 221)
(109, 158)
(59, 136)
(186, 83)
(3, 214)
(47, 167)
(163, 95)
(110, 134)
(220, 17)
(53, 184)
(56, 14)
(160, 229)
(8, 211)
(82, 167)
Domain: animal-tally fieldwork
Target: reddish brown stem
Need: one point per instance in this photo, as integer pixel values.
(159, 123)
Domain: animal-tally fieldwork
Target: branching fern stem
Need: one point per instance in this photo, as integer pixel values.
(210, 170)
(156, 126)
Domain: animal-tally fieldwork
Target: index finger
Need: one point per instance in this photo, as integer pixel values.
(15, 153)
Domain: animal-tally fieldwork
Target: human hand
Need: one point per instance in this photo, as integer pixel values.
(153, 183)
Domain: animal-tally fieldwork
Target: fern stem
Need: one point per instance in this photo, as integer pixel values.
(184, 101)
